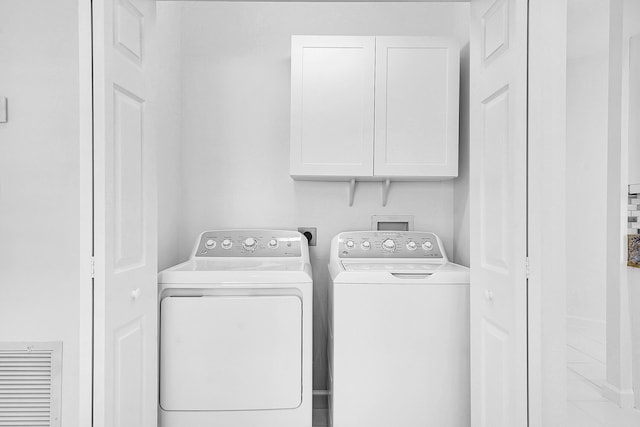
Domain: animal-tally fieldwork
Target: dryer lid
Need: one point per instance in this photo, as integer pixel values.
(240, 264)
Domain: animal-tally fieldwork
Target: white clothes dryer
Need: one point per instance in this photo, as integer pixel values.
(236, 332)
(398, 332)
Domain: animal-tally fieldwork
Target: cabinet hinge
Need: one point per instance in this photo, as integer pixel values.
(92, 267)
(527, 270)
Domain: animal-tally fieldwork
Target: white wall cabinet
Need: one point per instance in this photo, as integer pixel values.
(374, 107)
(332, 98)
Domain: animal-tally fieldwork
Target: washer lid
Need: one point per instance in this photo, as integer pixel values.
(393, 267)
(391, 273)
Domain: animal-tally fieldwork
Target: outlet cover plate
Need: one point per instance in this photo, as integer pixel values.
(313, 231)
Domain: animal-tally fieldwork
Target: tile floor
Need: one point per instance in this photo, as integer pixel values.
(586, 373)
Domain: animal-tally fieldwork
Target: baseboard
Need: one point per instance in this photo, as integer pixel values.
(622, 398)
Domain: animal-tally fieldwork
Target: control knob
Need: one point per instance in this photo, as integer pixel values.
(250, 244)
(412, 246)
(427, 246)
(210, 244)
(389, 245)
(350, 244)
(226, 244)
(366, 245)
(273, 243)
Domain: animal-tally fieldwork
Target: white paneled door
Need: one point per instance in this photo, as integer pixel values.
(125, 294)
(499, 213)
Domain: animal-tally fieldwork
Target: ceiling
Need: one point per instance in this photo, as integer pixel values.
(347, 1)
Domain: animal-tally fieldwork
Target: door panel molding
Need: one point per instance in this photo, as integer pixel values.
(128, 31)
(128, 173)
(129, 387)
(495, 181)
(495, 31)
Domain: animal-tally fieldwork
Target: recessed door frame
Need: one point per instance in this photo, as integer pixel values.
(85, 148)
(547, 87)
(546, 212)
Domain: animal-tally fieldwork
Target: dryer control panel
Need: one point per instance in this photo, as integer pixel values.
(250, 243)
(389, 244)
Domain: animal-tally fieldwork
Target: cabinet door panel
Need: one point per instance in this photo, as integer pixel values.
(416, 107)
(332, 114)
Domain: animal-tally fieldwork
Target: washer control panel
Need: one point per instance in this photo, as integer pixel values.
(389, 244)
(250, 243)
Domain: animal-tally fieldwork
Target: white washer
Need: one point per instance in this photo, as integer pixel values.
(398, 332)
(236, 332)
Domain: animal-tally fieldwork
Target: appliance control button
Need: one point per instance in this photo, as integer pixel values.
(210, 244)
(427, 246)
(273, 243)
(412, 246)
(226, 244)
(366, 245)
(389, 245)
(350, 244)
(250, 244)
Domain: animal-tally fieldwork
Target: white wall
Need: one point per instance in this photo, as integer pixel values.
(39, 189)
(235, 128)
(461, 225)
(587, 82)
(167, 61)
(586, 165)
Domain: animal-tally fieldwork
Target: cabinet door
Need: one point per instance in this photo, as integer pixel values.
(416, 103)
(332, 95)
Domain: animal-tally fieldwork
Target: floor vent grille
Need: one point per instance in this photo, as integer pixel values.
(30, 380)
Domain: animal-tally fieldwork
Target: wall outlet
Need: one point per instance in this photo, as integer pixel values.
(310, 233)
